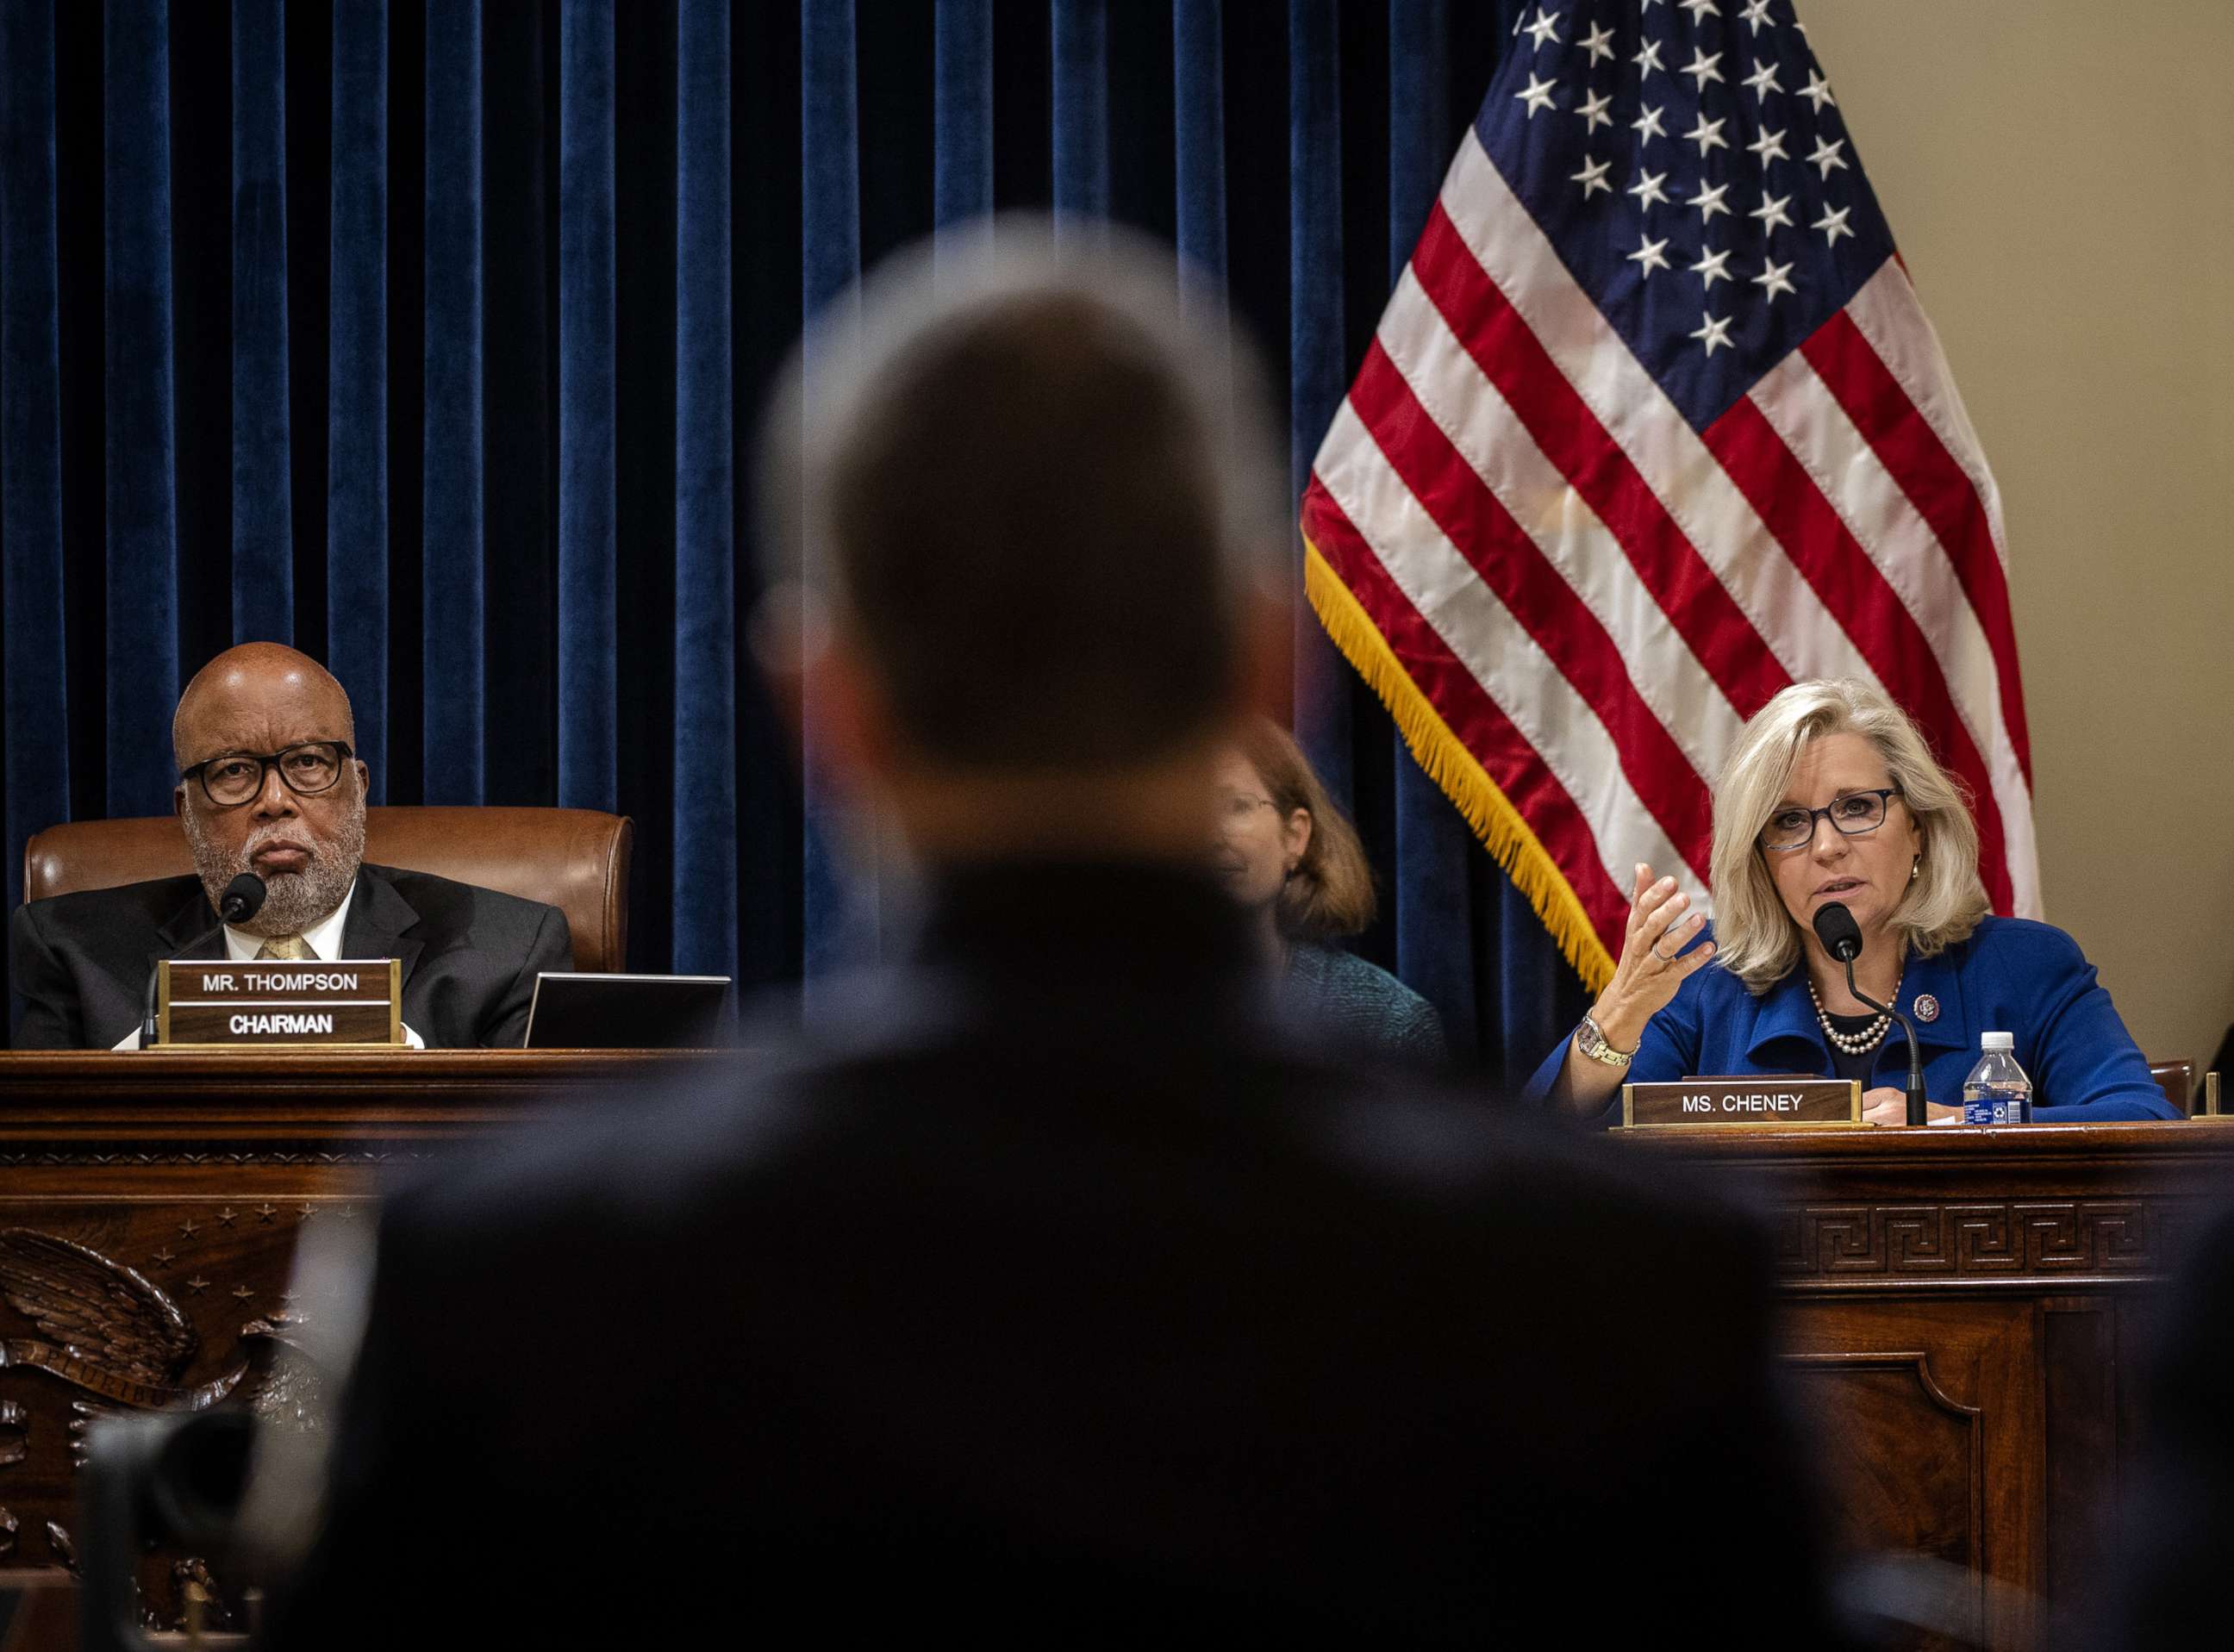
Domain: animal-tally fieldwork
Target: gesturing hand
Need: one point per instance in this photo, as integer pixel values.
(1653, 962)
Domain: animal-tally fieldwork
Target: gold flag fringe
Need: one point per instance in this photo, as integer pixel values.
(1447, 762)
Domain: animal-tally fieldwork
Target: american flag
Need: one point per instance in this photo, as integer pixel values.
(1653, 426)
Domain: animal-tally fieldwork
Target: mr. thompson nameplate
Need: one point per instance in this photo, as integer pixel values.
(1772, 1103)
(312, 1001)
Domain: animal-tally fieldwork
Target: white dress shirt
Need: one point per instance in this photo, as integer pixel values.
(323, 938)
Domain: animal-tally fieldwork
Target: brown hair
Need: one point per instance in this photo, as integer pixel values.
(1329, 894)
(1039, 496)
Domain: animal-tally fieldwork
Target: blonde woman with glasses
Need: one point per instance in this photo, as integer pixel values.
(1831, 795)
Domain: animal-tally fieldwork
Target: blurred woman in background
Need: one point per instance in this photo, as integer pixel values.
(1288, 856)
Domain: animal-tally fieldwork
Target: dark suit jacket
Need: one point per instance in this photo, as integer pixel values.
(1044, 1294)
(470, 955)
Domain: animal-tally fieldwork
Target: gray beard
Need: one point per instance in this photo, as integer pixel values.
(293, 901)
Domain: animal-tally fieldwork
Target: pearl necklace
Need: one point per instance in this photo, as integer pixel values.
(1869, 1038)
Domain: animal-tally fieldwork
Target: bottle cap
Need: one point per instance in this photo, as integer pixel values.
(1998, 1041)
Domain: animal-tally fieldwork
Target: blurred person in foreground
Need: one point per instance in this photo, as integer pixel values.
(1830, 795)
(2170, 1592)
(1037, 1292)
(1288, 855)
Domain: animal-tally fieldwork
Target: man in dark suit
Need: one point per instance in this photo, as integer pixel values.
(1044, 1291)
(269, 784)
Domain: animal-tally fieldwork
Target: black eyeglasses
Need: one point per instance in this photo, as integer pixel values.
(1235, 809)
(1851, 814)
(308, 769)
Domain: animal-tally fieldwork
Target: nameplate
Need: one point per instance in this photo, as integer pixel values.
(1772, 1103)
(314, 1000)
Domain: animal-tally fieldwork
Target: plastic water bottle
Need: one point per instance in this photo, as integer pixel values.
(1997, 1091)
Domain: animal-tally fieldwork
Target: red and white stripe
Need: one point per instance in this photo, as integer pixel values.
(1594, 597)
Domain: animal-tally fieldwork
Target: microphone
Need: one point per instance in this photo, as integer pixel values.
(242, 900)
(1842, 938)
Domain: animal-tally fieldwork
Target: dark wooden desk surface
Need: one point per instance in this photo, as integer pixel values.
(1967, 1313)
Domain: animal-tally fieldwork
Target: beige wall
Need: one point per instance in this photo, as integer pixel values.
(2060, 177)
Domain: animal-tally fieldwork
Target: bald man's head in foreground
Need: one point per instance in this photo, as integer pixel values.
(270, 782)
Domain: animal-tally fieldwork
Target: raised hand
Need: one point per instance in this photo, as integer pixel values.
(1653, 965)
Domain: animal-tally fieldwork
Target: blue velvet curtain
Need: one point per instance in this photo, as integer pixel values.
(430, 336)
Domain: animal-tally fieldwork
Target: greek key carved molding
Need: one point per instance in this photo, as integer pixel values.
(1993, 1240)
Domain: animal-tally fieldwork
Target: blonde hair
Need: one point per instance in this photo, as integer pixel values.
(1755, 937)
(1329, 895)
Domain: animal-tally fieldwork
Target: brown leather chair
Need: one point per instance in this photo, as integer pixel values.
(2177, 1080)
(575, 860)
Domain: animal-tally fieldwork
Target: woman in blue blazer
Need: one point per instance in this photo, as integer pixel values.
(1830, 795)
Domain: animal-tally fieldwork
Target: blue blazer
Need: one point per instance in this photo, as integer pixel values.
(2012, 976)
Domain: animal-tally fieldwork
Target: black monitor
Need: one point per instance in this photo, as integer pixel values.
(589, 1011)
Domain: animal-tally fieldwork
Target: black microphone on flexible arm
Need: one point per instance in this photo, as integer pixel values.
(1842, 938)
(242, 900)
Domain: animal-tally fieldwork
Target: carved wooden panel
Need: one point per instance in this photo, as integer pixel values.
(150, 1208)
(1907, 1461)
(172, 1300)
(1926, 1416)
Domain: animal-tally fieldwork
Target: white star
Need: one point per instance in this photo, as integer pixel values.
(1768, 147)
(1774, 278)
(1592, 176)
(1714, 332)
(1772, 214)
(1709, 202)
(1763, 80)
(1650, 255)
(1647, 60)
(1649, 124)
(1826, 154)
(1833, 225)
(1698, 9)
(1703, 67)
(1547, 27)
(1756, 13)
(1598, 44)
(1647, 191)
(1818, 92)
(1712, 265)
(1707, 135)
(1538, 96)
(1593, 111)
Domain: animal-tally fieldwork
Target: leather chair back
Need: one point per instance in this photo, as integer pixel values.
(2176, 1081)
(575, 860)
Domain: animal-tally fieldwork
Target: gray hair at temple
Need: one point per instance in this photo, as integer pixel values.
(1035, 491)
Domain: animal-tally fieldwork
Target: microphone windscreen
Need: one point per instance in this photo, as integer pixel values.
(243, 899)
(1840, 936)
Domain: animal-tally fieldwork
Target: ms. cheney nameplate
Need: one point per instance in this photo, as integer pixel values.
(1774, 1102)
(270, 1001)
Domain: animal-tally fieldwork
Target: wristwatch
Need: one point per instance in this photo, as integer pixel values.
(1591, 1042)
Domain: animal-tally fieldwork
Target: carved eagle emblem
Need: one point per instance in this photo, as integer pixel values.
(107, 1328)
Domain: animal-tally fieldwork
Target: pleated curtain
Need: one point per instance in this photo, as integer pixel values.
(432, 338)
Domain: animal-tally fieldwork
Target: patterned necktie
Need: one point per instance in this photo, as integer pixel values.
(286, 947)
